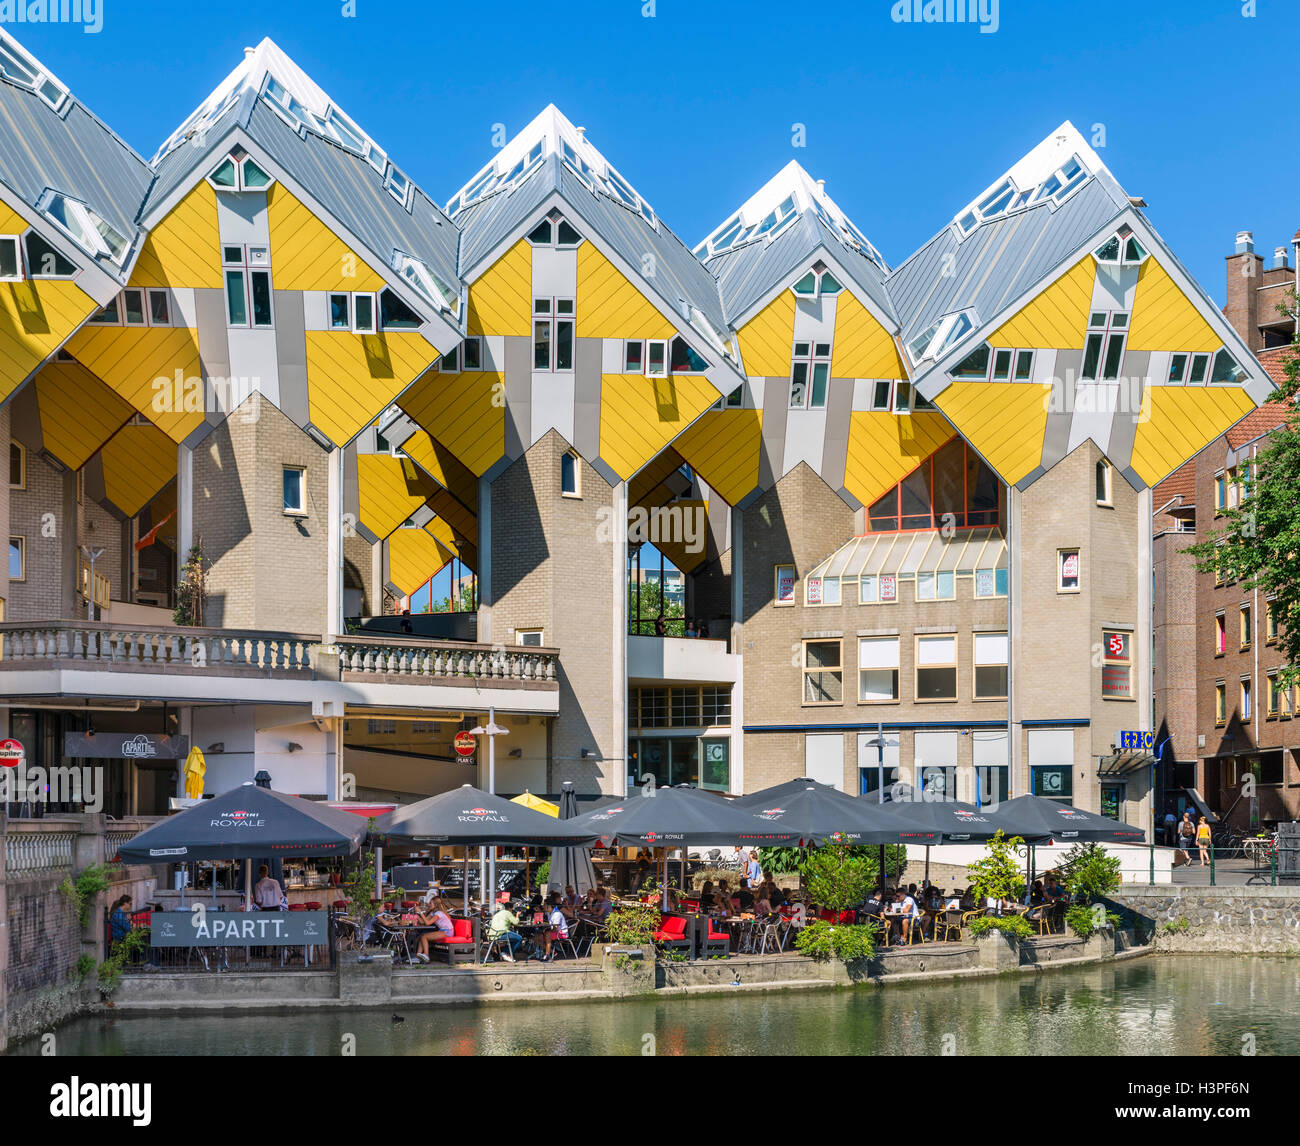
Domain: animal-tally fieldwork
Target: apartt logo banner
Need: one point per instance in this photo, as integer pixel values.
(77, 1099)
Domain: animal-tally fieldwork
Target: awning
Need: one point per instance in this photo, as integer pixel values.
(1123, 763)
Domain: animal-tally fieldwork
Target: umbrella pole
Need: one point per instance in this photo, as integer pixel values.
(379, 873)
(465, 882)
(527, 871)
(884, 875)
(248, 883)
(927, 866)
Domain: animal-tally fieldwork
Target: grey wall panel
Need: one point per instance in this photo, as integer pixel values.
(776, 409)
(25, 419)
(835, 452)
(291, 348)
(519, 395)
(214, 340)
(588, 365)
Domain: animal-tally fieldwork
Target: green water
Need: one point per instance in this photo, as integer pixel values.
(1197, 1005)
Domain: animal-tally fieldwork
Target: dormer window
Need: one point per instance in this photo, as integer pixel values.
(817, 282)
(941, 336)
(238, 171)
(1121, 249)
(85, 227)
(554, 231)
(398, 186)
(23, 69)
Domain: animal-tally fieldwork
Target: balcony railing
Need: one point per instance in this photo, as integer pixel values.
(422, 660)
(364, 657)
(97, 644)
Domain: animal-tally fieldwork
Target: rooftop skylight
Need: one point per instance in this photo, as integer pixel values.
(86, 227)
(27, 71)
(417, 272)
(941, 336)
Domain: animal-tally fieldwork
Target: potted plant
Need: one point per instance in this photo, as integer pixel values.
(997, 876)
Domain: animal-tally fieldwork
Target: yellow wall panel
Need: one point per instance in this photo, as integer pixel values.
(501, 299)
(640, 416)
(1055, 319)
(131, 360)
(36, 318)
(1164, 318)
(352, 378)
(452, 541)
(1004, 421)
(307, 255)
(463, 412)
(884, 448)
(1181, 421)
(443, 466)
(685, 557)
(389, 491)
(138, 462)
(414, 556)
(609, 306)
(649, 478)
(78, 412)
(862, 348)
(454, 514)
(184, 249)
(724, 447)
(767, 339)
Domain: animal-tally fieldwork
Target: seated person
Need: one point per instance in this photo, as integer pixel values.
(559, 928)
(503, 926)
(441, 927)
(1053, 891)
(570, 898)
(1036, 893)
(762, 905)
(602, 905)
(743, 898)
(906, 906)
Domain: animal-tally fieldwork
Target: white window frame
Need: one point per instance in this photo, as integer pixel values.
(17, 242)
(879, 642)
(1105, 468)
(977, 664)
(664, 344)
(329, 307)
(934, 581)
(457, 357)
(88, 221)
(373, 299)
(144, 307)
(1061, 556)
(553, 319)
(776, 586)
(876, 396)
(152, 293)
(539, 633)
(22, 555)
(301, 509)
(576, 491)
(805, 671)
(246, 268)
(1106, 332)
(933, 639)
(811, 358)
(1247, 698)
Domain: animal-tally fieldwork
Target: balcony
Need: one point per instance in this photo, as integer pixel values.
(686, 659)
(82, 658)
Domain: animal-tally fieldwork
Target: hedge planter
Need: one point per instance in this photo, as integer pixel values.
(998, 951)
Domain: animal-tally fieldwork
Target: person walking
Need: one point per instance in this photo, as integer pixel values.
(1203, 841)
(753, 873)
(1187, 835)
(1171, 829)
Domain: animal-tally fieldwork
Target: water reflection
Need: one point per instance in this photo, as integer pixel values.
(1198, 1005)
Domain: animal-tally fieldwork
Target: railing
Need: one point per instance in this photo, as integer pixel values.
(160, 648)
(446, 660)
(38, 852)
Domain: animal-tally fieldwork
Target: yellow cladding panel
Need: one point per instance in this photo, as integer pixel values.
(1179, 422)
(138, 462)
(443, 466)
(884, 448)
(454, 514)
(767, 339)
(184, 249)
(501, 299)
(1055, 319)
(413, 557)
(447, 537)
(640, 416)
(78, 412)
(307, 255)
(724, 447)
(351, 378)
(652, 475)
(609, 306)
(463, 412)
(1004, 421)
(142, 365)
(1164, 318)
(863, 348)
(36, 317)
(389, 490)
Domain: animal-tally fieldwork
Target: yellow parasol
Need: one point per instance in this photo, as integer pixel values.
(195, 769)
(538, 805)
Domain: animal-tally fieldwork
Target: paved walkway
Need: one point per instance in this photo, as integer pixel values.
(1227, 873)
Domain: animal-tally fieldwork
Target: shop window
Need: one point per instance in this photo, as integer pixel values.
(1117, 664)
(823, 676)
(877, 669)
(1053, 781)
(936, 668)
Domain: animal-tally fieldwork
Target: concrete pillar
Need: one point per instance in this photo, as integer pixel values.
(738, 648)
(484, 571)
(1016, 784)
(184, 503)
(334, 550)
(4, 934)
(618, 640)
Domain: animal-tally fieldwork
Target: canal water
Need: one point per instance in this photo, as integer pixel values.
(1189, 1005)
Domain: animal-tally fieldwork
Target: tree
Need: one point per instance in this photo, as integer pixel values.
(1259, 543)
(652, 606)
(836, 878)
(997, 875)
(192, 591)
(1088, 872)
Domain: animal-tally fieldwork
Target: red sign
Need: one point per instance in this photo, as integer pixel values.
(464, 744)
(11, 753)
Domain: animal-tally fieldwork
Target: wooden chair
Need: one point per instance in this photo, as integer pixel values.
(947, 924)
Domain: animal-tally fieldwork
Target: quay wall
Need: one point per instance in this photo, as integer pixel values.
(1235, 920)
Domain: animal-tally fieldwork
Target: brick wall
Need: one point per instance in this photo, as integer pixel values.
(40, 514)
(268, 569)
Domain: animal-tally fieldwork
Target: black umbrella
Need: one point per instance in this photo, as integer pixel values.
(244, 822)
(469, 817)
(777, 792)
(571, 867)
(954, 820)
(821, 814)
(680, 817)
(1036, 818)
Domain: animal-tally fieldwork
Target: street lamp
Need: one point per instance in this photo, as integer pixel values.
(880, 744)
(92, 555)
(492, 731)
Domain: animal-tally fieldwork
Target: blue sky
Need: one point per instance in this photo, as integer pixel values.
(905, 122)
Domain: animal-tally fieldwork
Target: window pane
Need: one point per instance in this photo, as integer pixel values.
(1024, 365)
(236, 306)
(1091, 357)
(293, 489)
(568, 474)
(936, 650)
(821, 372)
(261, 281)
(394, 314)
(878, 684)
(564, 346)
(990, 681)
(881, 397)
(365, 305)
(16, 571)
(1114, 356)
(133, 307)
(8, 258)
(1002, 366)
(974, 365)
(44, 260)
(473, 354)
(655, 358)
(566, 236)
(1200, 363)
(542, 345)
(224, 175)
(541, 233)
(159, 308)
(254, 176)
(1177, 366)
(340, 318)
(936, 683)
(632, 358)
(16, 474)
(806, 285)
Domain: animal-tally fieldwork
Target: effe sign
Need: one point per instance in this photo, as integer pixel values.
(238, 928)
(12, 753)
(1133, 741)
(464, 743)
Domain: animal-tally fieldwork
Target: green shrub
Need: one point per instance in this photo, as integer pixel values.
(633, 924)
(85, 889)
(542, 876)
(1084, 919)
(997, 875)
(1176, 927)
(110, 970)
(1089, 872)
(837, 877)
(1015, 925)
(846, 942)
(85, 965)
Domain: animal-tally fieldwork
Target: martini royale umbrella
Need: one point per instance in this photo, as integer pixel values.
(571, 867)
(821, 815)
(778, 792)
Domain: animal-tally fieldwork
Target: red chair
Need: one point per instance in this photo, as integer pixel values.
(408, 904)
(340, 905)
(716, 942)
(459, 947)
(672, 933)
(297, 907)
(312, 905)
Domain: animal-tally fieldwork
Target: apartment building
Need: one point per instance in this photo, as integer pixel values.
(904, 508)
